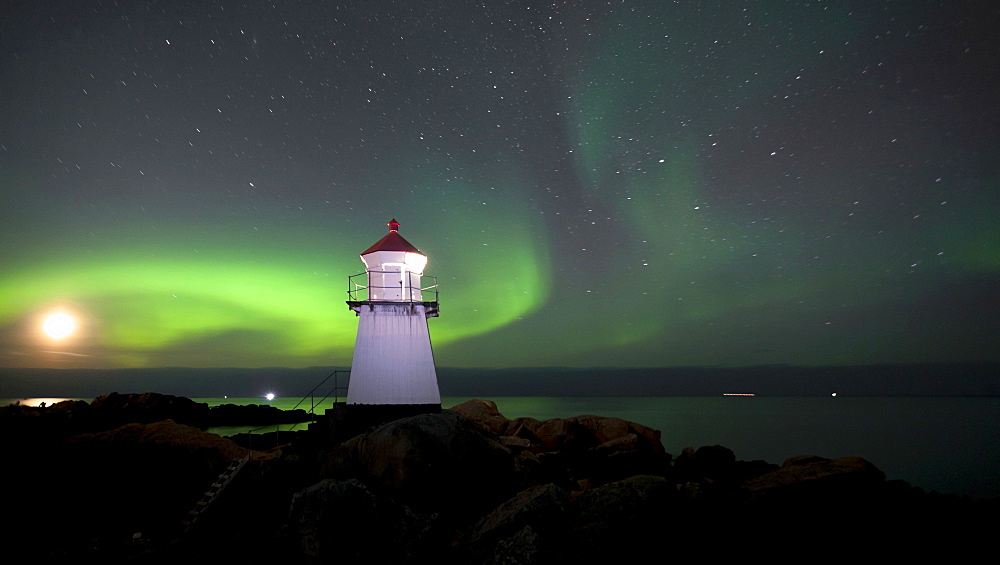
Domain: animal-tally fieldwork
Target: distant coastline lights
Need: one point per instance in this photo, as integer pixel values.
(753, 394)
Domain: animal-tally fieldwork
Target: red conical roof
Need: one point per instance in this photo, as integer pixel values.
(392, 242)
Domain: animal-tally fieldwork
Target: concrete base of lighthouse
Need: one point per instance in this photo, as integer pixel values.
(393, 362)
(348, 420)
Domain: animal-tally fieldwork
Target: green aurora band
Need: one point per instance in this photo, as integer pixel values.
(632, 185)
(244, 305)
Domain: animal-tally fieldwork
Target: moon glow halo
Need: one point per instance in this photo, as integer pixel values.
(59, 325)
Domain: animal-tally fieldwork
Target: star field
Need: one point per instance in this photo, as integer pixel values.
(594, 183)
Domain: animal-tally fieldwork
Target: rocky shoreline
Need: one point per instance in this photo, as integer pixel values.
(111, 480)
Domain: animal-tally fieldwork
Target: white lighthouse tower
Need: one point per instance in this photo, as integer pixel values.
(393, 369)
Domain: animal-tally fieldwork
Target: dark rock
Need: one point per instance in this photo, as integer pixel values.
(463, 486)
(807, 479)
(169, 439)
(592, 450)
(530, 527)
(101, 488)
(26, 427)
(815, 500)
(483, 413)
(31, 424)
(544, 524)
(524, 547)
(712, 462)
(343, 521)
(541, 505)
(639, 509)
(432, 461)
(577, 452)
(118, 409)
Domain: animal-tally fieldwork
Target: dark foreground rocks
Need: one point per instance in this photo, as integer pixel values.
(468, 485)
(114, 409)
(591, 489)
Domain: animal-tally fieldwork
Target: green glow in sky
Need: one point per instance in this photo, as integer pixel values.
(227, 306)
(594, 183)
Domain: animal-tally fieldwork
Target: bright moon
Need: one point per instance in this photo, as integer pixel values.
(59, 325)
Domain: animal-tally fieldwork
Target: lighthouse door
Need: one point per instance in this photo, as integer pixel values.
(389, 283)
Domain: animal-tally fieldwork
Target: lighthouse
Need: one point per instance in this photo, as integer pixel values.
(393, 372)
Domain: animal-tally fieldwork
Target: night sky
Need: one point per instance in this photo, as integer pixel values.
(616, 184)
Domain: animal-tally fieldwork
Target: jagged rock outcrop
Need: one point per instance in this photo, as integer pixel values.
(170, 439)
(484, 413)
(543, 505)
(807, 479)
(527, 528)
(589, 450)
(148, 407)
(114, 410)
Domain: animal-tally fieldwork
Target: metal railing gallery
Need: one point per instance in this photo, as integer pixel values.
(358, 292)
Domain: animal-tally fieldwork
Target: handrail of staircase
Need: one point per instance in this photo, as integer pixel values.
(312, 409)
(321, 383)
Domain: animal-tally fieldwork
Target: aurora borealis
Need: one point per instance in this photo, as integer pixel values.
(613, 184)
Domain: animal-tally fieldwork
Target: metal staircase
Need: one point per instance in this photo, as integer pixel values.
(213, 492)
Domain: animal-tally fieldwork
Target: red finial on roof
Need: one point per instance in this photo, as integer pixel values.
(392, 241)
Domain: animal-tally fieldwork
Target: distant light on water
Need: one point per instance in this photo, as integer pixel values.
(834, 394)
(41, 402)
(269, 396)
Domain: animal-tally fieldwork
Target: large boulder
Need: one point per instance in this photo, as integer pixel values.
(807, 479)
(578, 452)
(344, 521)
(530, 527)
(116, 409)
(165, 439)
(710, 462)
(102, 488)
(621, 520)
(483, 413)
(639, 509)
(539, 505)
(432, 461)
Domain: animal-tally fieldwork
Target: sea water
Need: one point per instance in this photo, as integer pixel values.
(947, 444)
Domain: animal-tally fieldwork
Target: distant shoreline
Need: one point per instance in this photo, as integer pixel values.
(965, 379)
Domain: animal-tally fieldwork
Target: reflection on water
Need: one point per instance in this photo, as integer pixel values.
(35, 402)
(226, 431)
